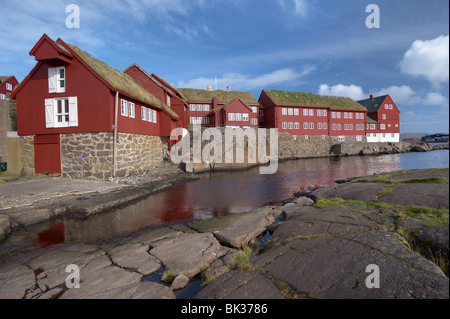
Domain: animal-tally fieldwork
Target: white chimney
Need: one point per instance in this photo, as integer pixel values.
(228, 89)
(210, 88)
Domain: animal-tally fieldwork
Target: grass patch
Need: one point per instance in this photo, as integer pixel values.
(209, 279)
(385, 180)
(210, 225)
(169, 278)
(424, 249)
(242, 260)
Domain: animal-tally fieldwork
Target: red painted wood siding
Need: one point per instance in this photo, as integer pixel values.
(12, 80)
(351, 121)
(302, 119)
(239, 107)
(95, 102)
(47, 154)
(392, 121)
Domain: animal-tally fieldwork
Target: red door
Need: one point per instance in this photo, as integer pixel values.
(47, 154)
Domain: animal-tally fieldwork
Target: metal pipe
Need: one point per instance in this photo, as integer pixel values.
(116, 111)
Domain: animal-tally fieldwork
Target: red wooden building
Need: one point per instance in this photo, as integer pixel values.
(383, 123)
(220, 108)
(162, 90)
(81, 113)
(309, 114)
(7, 85)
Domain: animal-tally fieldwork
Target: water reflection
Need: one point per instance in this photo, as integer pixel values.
(226, 193)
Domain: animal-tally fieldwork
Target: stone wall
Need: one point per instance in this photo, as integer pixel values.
(26, 155)
(90, 155)
(297, 147)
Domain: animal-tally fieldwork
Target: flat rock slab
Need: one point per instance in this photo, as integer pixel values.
(357, 191)
(240, 285)
(246, 228)
(135, 256)
(189, 254)
(427, 195)
(324, 264)
(15, 280)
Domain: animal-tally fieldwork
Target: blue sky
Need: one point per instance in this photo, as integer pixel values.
(318, 46)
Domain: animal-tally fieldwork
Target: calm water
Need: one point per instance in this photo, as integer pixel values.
(224, 193)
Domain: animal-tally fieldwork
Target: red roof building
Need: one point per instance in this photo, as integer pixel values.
(70, 97)
(7, 86)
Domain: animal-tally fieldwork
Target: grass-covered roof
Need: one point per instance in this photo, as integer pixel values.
(313, 100)
(120, 80)
(223, 97)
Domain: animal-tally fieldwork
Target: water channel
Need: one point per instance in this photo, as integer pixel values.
(220, 194)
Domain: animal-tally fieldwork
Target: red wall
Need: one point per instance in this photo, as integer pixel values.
(12, 80)
(343, 121)
(301, 119)
(95, 106)
(392, 121)
(238, 107)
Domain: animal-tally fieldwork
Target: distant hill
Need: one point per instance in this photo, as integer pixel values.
(407, 136)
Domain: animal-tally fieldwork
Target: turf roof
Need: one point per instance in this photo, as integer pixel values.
(120, 80)
(222, 96)
(312, 100)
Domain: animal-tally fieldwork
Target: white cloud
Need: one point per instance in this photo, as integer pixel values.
(429, 59)
(353, 91)
(239, 81)
(407, 96)
(299, 7)
(402, 95)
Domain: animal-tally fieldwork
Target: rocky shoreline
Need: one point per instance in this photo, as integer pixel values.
(316, 246)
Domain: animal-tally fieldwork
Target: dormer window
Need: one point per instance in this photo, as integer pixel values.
(57, 80)
(9, 86)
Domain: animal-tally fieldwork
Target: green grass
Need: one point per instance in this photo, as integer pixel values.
(197, 95)
(242, 260)
(383, 179)
(310, 99)
(170, 276)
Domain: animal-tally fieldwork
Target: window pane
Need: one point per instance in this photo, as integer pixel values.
(59, 106)
(61, 74)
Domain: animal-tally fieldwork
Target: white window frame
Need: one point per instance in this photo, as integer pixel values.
(297, 125)
(284, 125)
(284, 111)
(193, 107)
(291, 125)
(382, 126)
(305, 112)
(350, 127)
(306, 126)
(350, 115)
(359, 138)
(254, 109)
(334, 127)
(296, 113)
(324, 112)
(149, 115)
(245, 117)
(144, 113)
(238, 117)
(311, 126)
(51, 112)
(131, 110)
(357, 116)
(319, 126)
(391, 107)
(124, 107)
(261, 113)
(9, 86)
(384, 116)
(341, 138)
(325, 126)
(155, 117)
(2, 96)
(168, 100)
(345, 127)
(345, 115)
(339, 127)
(319, 112)
(311, 112)
(55, 79)
(333, 115)
(372, 126)
(231, 117)
(199, 107)
(206, 108)
(386, 106)
(290, 111)
(338, 115)
(254, 121)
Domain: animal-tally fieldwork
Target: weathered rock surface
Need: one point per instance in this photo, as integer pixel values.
(241, 285)
(135, 256)
(248, 227)
(437, 237)
(357, 191)
(188, 255)
(419, 194)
